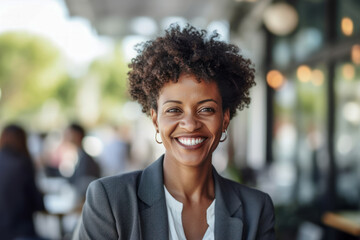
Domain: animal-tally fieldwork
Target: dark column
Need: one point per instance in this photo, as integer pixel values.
(269, 101)
(328, 202)
(331, 25)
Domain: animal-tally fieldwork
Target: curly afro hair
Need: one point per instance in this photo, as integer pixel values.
(188, 50)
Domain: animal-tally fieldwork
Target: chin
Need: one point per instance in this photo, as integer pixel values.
(194, 160)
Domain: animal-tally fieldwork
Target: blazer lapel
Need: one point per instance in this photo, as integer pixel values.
(228, 211)
(153, 212)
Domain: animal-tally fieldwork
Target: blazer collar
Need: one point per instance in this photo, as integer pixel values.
(151, 187)
(228, 207)
(154, 220)
(228, 210)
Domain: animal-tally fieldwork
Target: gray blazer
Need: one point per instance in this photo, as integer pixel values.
(132, 206)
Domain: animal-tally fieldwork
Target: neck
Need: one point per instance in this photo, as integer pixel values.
(187, 183)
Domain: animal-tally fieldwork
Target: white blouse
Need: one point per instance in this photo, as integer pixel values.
(174, 210)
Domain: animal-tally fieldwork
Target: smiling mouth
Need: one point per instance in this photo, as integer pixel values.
(187, 141)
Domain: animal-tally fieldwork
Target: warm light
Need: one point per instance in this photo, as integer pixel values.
(347, 26)
(355, 54)
(304, 73)
(317, 77)
(280, 18)
(0, 93)
(275, 79)
(348, 71)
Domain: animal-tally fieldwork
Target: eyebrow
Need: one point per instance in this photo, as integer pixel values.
(202, 101)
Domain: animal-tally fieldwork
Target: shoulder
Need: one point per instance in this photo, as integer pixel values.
(248, 195)
(117, 182)
(257, 206)
(116, 191)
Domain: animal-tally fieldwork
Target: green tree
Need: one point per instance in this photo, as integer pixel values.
(31, 71)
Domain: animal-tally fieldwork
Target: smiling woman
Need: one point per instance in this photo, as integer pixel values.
(191, 85)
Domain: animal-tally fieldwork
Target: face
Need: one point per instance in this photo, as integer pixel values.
(73, 137)
(190, 120)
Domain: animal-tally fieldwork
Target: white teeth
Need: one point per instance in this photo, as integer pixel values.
(191, 141)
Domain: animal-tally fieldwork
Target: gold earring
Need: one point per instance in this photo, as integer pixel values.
(226, 135)
(156, 140)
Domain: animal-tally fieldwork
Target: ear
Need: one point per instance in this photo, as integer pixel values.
(226, 119)
(154, 119)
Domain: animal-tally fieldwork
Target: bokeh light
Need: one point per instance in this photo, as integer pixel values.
(304, 73)
(351, 112)
(317, 77)
(344, 144)
(355, 54)
(347, 26)
(281, 18)
(93, 146)
(348, 71)
(275, 79)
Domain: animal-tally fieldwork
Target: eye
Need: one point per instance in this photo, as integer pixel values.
(173, 110)
(207, 109)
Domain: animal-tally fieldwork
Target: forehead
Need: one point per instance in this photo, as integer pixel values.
(189, 88)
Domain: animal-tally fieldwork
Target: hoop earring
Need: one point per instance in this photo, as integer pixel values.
(226, 135)
(156, 140)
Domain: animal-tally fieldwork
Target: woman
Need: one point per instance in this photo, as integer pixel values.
(19, 196)
(191, 85)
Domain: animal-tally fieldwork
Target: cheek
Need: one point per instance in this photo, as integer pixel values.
(166, 126)
(216, 126)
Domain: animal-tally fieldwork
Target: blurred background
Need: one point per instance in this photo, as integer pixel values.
(65, 61)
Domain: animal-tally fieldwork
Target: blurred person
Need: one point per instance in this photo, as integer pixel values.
(85, 168)
(191, 85)
(19, 196)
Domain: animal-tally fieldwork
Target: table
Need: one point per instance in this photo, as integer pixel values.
(346, 221)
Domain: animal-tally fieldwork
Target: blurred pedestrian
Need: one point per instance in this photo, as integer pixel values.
(86, 169)
(19, 196)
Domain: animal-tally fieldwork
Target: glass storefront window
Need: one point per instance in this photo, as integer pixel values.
(347, 135)
(311, 115)
(299, 132)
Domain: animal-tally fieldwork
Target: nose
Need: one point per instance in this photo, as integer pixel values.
(190, 123)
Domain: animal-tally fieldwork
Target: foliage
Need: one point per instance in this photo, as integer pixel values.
(31, 71)
(36, 88)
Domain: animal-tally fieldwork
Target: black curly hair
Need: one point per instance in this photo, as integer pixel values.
(191, 51)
